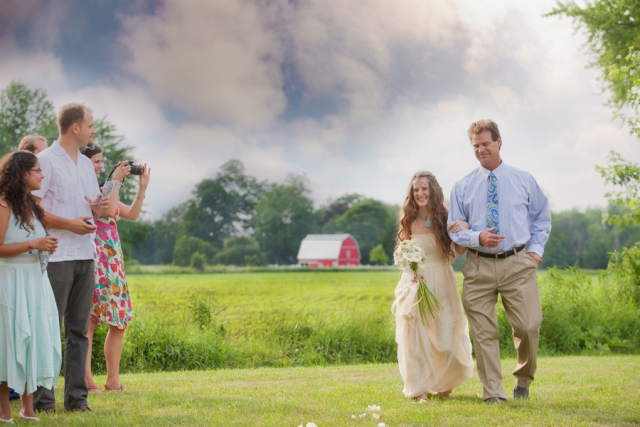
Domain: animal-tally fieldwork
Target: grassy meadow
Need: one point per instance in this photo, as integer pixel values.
(245, 301)
(568, 391)
(334, 317)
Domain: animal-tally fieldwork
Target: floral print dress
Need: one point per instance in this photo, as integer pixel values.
(111, 300)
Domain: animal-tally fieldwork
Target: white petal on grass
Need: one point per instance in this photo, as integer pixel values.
(311, 425)
(382, 425)
(375, 416)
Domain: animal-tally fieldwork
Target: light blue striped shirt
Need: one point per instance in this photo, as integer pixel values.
(523, 208)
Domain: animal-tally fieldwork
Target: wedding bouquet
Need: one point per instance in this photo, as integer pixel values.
(407, 256)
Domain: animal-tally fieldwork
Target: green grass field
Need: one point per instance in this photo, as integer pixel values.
(242, 300)
(568, 391)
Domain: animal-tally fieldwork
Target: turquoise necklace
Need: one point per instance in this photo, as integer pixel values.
(427, 223)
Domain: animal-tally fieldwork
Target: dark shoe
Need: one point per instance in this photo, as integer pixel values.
(521, 392)
(47, 411)
(81, 408)
(492, 400)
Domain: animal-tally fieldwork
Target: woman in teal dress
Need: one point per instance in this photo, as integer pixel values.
(111, 300)
(30, 354)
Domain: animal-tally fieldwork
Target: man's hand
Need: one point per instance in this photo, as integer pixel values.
(79, 226)
(535, 257)
(490, 240)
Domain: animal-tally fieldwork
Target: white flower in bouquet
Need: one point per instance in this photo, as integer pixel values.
(408, 256)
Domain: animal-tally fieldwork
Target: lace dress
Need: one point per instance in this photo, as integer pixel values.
(111, 299)
(437, 357)
(30, 352)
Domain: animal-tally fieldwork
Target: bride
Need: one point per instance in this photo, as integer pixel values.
(434, 358)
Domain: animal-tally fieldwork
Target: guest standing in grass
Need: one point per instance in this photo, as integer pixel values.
(433, 358)
(111, 300)
(30, 354)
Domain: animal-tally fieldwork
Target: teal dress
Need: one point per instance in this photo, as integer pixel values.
(30, 351)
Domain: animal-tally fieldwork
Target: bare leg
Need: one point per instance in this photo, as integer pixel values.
(112, 353)
(5, 408)
(88, 377)
(27, 404)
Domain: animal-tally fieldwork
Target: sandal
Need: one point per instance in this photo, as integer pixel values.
(24, 417)
(118, 388)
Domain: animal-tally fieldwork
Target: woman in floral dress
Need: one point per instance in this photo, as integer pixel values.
(111, 301)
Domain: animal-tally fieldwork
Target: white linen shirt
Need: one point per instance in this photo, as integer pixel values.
(63, 190)
(524, 209)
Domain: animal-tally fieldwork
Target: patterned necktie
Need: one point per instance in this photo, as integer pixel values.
(493, 219)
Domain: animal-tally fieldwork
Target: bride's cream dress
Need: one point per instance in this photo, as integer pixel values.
(437, 357)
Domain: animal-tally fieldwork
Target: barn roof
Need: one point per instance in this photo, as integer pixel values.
(321, 246)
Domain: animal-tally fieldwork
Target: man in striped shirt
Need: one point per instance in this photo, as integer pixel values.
(506, 209)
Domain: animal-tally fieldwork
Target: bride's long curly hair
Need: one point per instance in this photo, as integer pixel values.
(439, 214)
(13, 187)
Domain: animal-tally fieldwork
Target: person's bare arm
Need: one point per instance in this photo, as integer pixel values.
(132, 212)
(48, 243)
(460, 249)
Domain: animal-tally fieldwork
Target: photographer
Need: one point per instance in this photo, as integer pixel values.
(111, 301)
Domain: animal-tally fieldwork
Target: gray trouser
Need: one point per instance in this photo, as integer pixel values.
(73, 283)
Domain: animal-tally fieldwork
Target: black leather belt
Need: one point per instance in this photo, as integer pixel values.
(499, 255)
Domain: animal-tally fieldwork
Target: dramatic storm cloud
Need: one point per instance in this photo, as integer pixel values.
(355, 94)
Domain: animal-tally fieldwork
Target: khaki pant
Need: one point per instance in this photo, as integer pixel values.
(514, 278)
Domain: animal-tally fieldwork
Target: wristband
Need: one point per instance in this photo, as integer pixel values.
(30, 248)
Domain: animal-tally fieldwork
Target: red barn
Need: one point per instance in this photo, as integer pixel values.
(328, 250)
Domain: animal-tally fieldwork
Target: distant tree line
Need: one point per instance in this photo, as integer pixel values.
(237, 219)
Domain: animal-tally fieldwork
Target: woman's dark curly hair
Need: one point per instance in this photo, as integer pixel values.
(13, 188)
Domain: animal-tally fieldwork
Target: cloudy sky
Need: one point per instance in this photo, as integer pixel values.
(355, 94)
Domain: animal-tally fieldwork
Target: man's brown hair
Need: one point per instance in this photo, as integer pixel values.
(27, 143)
(69, 115)
(484, 125)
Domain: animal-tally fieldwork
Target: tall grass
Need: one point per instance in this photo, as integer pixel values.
(583, 314)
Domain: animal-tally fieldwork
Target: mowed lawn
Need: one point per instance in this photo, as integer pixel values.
(568, 391)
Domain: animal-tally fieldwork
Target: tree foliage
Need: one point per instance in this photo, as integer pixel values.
(186, 246)
(623, 174)
(377, 256)
(612, 27)
(283, 218)
(582, 239)
(22, 112)
(239, 250)
(224, 206)
(613, 30)
(371, 222)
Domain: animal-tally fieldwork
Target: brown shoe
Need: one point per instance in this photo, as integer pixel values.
(48, 411)
(81, 408)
